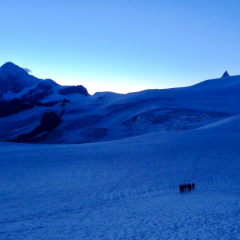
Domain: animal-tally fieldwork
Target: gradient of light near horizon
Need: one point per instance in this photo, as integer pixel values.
(122, 46)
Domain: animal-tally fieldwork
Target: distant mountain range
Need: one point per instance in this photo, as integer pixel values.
(16, 80)
(34, 110)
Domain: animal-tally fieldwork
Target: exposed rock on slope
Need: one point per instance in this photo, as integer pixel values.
(49, 122)
(42, 90)
(74, 89)
(8, 108)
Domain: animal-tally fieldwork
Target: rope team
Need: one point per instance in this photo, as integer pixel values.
(186, 187)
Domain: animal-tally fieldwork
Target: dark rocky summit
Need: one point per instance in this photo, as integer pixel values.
(225, 75)
(74, 89)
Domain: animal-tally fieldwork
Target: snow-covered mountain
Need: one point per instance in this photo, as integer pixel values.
(15, 79)
(16, 82)
(78, 117)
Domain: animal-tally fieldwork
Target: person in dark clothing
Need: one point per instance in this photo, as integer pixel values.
(181, 188)
(189, 186)
(193, 186)
(185, 187)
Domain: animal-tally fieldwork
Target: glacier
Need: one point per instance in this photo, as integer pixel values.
(112, 168)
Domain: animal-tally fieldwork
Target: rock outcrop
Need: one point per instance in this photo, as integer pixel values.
(225, 75)
(8, 108)
(50, 120)
(74, 89)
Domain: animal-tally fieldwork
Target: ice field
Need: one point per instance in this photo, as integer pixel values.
(112, 168)
(124, 189)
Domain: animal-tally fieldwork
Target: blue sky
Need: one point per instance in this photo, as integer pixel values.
(122, 46)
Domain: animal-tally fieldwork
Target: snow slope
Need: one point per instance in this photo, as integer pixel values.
(124, 189)
(122, 183)
(110, 116)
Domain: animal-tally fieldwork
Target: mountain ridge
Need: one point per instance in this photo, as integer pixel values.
(15, 79)
(107, 116)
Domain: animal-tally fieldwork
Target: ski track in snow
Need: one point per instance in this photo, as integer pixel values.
(122, 189)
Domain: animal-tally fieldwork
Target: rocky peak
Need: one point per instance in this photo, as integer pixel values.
(225, 75)
(10, 69)
(14, 78)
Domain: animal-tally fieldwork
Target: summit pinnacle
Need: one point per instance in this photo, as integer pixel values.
(225, 75)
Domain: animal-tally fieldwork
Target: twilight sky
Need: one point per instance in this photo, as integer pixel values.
(122, 45)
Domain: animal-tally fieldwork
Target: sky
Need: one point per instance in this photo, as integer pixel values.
(122, 46)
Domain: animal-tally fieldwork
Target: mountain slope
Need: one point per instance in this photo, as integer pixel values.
(108, 116)
(15, 79)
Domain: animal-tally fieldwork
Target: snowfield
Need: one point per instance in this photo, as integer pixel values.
(113, 166)
(124, 189)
